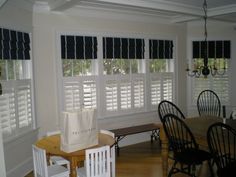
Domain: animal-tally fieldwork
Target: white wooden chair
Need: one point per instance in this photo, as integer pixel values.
(40, 165)
(57, 159)
(113, 154)
(97, 163)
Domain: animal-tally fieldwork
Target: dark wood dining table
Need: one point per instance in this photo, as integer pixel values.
(199, 127)
(52, 146)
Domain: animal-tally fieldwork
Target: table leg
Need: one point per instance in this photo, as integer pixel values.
(164, 151)
(73, 167)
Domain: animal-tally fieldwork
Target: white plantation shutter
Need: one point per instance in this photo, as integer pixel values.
(79, 93)
(89, 94)
(71, 96)
(111, 96)
(24, 106)
(219, 84)
(167, 87)
(125, 95)
(7, 114)
(161, 87)
(138, 93)
(16, 107)
(155, 91)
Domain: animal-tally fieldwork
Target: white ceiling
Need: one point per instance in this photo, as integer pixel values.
(173, 10)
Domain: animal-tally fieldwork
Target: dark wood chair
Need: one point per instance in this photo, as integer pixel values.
(208, 103)
(167, 107)
(187, 155)
(221, 141)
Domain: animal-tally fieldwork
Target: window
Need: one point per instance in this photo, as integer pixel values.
(16, 106)
(161, 66)
(218, 54)
(110, 74)
(78, 59)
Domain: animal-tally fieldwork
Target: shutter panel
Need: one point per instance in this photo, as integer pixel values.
(168, 87)
(24, 106)
(89, 94)
(221, 86)
(138, 93)
(125, 95)
(71, 94)
(111, 96)
(7, 113)
(155, 90)
(199, 85)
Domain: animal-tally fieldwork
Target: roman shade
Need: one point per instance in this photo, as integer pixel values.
(160, 49)
(215, 49)
(123, 48)
(78, 47)
(14, 45)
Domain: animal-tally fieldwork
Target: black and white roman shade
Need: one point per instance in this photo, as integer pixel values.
(215, 49)
(14, 45)
(78, 47)
(160, 49)
(123, 48)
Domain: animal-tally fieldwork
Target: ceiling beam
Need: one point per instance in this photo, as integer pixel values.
(61, 5)
(163, 6)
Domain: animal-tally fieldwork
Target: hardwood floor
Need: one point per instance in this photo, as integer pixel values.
(139, 160)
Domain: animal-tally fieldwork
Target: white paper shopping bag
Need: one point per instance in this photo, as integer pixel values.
(78, 130)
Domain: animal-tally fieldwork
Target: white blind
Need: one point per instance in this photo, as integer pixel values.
(219, 84)
(138, 93)
(79, 93)
(89, 94)
(16, 107)
(125, 95)
(161, 87)
(111, 96)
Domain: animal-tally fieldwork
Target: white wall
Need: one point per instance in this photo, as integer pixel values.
(216, 31)
(18, 152)
(46, 26)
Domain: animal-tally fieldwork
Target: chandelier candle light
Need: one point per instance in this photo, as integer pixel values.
(205, 69)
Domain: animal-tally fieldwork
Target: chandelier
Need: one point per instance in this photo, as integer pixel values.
(205, 69)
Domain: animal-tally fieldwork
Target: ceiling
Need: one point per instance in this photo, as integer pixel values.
(176, 11)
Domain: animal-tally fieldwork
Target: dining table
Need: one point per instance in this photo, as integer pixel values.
(199, 127)
(51, 144)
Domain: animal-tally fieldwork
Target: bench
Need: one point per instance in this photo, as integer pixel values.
(120, 133)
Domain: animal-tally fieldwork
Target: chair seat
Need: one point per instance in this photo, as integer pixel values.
(58, 160)
(54, 170)
(192, 156)
(228, 171)
(81, 172)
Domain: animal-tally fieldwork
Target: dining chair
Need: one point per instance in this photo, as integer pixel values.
(168, 107)
(208, 103)
(187, 155)
(40, 165)
(221, 140)
(97, 163)
(57, 159)
(112, 150)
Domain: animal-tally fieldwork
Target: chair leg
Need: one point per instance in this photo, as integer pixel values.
(210, 164)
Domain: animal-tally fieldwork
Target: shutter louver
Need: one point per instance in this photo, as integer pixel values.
(111, 96)
(7, 113)
(138, 93)
(221, 87)
(72, 99)
(167, 87)
(125, 95)
(155, 91)
(24, 106)
(89, 89)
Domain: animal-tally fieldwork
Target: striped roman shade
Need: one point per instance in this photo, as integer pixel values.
(160, 49)
(215, 49)
(14, 45)
(78, 47)
(123, 48)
